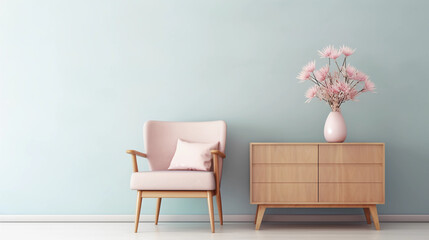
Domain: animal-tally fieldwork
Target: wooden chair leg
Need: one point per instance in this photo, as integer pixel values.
(374, 214)
(158, 207)
(256, 215)
(261, 211)
(211, 212)
(219, 207)
(138, 208)
(367, 215)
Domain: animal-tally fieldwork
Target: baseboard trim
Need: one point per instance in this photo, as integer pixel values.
(205, 218)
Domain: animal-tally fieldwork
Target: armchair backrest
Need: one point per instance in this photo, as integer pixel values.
(160, 139)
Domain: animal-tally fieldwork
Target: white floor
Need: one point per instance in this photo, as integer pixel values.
(178, 231)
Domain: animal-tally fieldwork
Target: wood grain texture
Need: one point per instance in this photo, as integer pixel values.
(284, 153)
(158, 208)
(374, 215)
(262, 207)
(219, 207)
(219, 153)
(367, 215)
(314, 143)
(317, 175)
(174, 194)
(256, 214)
(351, 153)
(135, 152)
(215, 161)
(259, 216)
(351, 173)
(211, 212)
(316, 205)
(284, 192)
(138, 208)
(135, 166)
(284, 172)
(351, 192)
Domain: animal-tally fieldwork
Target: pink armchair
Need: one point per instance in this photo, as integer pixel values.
(160, 139)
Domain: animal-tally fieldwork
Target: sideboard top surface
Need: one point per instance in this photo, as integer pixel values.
(315, 143)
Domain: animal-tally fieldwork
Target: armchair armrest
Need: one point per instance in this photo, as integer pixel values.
(135, 153)
(219, 153)
(216, 154)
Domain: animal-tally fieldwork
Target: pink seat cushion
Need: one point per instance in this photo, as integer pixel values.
(192, 156)
(173, 180)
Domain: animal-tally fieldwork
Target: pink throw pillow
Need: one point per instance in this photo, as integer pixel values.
(192, 156)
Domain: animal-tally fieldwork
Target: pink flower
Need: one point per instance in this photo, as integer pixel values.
(335, 53)
(350, 70)
(303, 75)
(347, 51)
(326, 52)
(369, 86)
(340, 87)
(311, 93)
(322, 73)
(360, 76)
(352, 94)
(344, 87)
(310, 66)
(335, 87)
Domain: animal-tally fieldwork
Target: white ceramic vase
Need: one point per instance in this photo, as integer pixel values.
(335, 128)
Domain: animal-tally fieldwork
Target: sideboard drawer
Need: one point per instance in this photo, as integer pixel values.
(284, 192)
(351, 153)
(351, 173)
(278, 153)
(351, 193)
(284, 172)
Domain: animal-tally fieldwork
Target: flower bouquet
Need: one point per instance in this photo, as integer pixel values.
(335, 85)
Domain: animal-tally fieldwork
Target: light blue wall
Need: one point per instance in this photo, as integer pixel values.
(79, 78)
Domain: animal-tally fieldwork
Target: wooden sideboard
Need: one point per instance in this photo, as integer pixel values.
(317, 175)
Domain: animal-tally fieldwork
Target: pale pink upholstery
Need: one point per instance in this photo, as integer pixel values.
(173, 180)
(160, 139)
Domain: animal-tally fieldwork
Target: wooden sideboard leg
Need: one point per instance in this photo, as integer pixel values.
(367, 215)
(374, 214)
(256, 215)
(259, 216)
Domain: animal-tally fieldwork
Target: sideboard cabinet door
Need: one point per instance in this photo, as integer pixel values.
(351, 173)
(284, 173)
